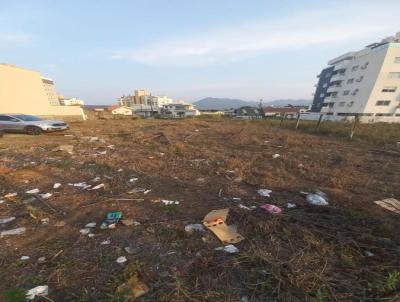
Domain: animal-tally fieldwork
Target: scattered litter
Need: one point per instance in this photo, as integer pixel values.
(97, 187)
(17, 231)
(33, 191)
(82, 185)
(390, 204)
(93, 139)
(133, 179)
(271, 208)
(41, 259)
(111, 220)
(110, 146)
(230, 248)
(169, 202)
(10, 195)
(291, 205)
(121, 260)
(90, 235)
(128, 222)
(38, 291)
(90, 225)
(133, 288)
(236, 199)
(45, 221)
(66, 148)
(60, 223)
(6, 220)
(84, 231)
(130, 250)
(264, 192)
(147, 191)
(276, 155)
(369, 254)
(2, 201)
(215, 222)
(24, 258)
(120, 170)
(105, 242)
(242, 206)
(102, 152)
(190, 228)
(45, 195)
(318, 198)
(56, 185)
(96, 179)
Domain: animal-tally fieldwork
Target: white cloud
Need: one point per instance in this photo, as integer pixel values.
(314, 28)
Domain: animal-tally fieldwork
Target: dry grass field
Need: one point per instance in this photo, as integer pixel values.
(348, 250)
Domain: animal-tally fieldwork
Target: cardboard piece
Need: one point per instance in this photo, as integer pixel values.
(215, 222)
(390, 204)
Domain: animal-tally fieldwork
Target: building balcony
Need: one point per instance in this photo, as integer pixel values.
(337, 77)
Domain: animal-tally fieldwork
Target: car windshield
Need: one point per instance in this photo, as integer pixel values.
(28, 118)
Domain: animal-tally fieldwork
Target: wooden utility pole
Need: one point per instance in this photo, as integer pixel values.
(298, 120)
(283, 118)
(319, 121)
(353, 128)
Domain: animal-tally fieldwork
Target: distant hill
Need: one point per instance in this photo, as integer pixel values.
(226, 103)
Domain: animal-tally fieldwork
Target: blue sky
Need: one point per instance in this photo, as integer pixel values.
(188, 49)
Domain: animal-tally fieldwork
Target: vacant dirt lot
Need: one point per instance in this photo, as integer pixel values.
(346, 251)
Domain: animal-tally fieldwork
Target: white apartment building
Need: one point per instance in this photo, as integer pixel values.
(179, 110)
(365, 83)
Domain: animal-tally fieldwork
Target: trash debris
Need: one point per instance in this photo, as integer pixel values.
(147, 191)
(242, 206)
(82, 185)
(33, 191)
(169, 202)
(276, 155)
(56, 185)
(41, 259)
(60, 223)
(390, 204)
(291, 205)
(230, 248)
(2, 201)
(101, 152)
(90, 225)
(105, 242)
(6, 220)
(133, 179)
(38, 291)
(97, 187)
(369, 254)
(84, 231)
(45, 195)
(121, 260)
(133, 288)
(66, 148)
(90, 235)
(120, 170)
(17, 231)
(128, 222)
(190, 228)
(264, 192)
(45, 221)
(215, 222)
(96, 179)
(271, 208)
(10, 195)
(318, 198)
(130, 250)
(24, 258)
(111, 220)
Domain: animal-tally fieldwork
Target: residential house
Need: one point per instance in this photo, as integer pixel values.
(248, 112)
(120, 110)
(179, 110)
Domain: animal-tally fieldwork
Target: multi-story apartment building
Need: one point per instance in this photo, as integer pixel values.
(23, 91)
(363, 83)
(50, 89)
(72, 102)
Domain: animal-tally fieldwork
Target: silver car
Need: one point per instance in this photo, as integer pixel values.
(29, 124)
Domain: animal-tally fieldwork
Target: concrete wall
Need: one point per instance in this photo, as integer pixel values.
(22, 91)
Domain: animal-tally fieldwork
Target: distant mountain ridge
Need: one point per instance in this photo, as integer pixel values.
(227, 103)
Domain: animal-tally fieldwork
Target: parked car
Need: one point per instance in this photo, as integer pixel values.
(29, 124)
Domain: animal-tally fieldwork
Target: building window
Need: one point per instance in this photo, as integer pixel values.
(389, 89)
(394, 75)
(365, 65)
(341, 104)
(382, 103)
(321, 95)
(328, 75)
(354, 68)
(346, 92)
(350, 104)
(350, 81)
(355, 92)
(360, 79)
(397, 59)
(325, 85)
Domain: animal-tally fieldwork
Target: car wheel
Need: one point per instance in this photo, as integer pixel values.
(32, 130)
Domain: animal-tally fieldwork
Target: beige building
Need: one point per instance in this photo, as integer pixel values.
(72, 102)
(23, 91)
(50, 89)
